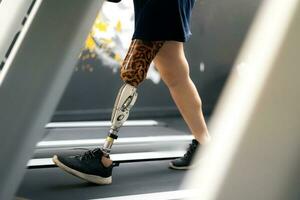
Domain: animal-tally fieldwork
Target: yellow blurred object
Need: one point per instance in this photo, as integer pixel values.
(118, 58)
(101, 26)
(119, 26)
(90, 44)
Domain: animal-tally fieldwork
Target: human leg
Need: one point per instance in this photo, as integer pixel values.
(174, 70)
(95, 165)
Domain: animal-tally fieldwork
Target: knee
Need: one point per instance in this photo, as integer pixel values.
(175, 80)
(133, 75)
(137, 61)
(174, 83)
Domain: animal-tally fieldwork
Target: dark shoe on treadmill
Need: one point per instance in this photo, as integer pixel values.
(87, 166)
(185, 162)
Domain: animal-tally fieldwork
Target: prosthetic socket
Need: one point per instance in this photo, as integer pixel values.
(133, 71)
(125, 100)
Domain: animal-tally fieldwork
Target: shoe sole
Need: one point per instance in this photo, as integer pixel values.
(179, 168)
(91, 178)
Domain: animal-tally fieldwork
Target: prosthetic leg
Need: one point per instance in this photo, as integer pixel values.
(133, 71)
(125, 100)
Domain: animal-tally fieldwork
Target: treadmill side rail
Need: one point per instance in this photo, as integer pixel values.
(34, 78)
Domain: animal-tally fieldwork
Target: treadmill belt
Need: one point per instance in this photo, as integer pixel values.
(128, 179)
(101, 132)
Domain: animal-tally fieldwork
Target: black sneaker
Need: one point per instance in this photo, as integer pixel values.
(185, 161)
(87, 166)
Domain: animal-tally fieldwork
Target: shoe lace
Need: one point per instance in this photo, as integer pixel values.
(190, 151)
(90, 154)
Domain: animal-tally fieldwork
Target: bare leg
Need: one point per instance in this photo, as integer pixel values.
(174, 69)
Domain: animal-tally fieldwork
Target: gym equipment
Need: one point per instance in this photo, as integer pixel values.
(30, 87)
(256, 123)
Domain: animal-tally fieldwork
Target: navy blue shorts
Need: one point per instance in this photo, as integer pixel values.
(157, 20)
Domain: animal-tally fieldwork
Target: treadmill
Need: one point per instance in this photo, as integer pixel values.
(141, 161)
(34, 75)
(26, 108)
